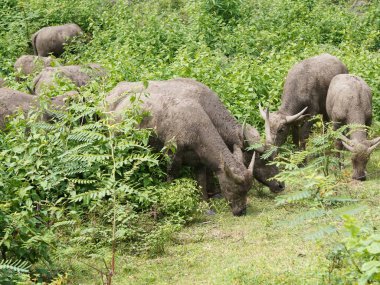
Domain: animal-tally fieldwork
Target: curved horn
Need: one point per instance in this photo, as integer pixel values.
(347, 146)
(291, 119)
(374, 143)
(252, 164)
(267, 128)
(345, 139)
(262, 112)
(265, 116)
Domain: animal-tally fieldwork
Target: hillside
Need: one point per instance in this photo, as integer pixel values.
(77, 199)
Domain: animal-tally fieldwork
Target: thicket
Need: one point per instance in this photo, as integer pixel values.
(99, 184)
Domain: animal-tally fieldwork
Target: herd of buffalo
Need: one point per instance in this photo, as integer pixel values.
(207, 137)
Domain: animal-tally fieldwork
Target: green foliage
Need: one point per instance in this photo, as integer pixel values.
(179, 200)
(358, 256)
(99, 183)
(13, 271)
(321, 177)
(226, 9)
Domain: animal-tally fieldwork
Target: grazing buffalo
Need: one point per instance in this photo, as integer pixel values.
(12, 101)
(185, 123)
(78, 75)
(28, 64)
(51, 40)
(304, 94)
(349, 101)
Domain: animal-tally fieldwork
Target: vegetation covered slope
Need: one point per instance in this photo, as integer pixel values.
(97, 191)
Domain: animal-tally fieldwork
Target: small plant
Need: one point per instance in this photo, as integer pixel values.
(357, 257)
(226, 9)
(321, 177)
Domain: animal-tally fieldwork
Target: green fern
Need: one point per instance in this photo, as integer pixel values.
(82, 181)
(321, 232)
(86, 136)
(17, 266)
(86, 197)
(294, 197)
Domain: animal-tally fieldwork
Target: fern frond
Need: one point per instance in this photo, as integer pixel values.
(140, 158)
(93, 126)
(293, 197)
(86, 136)
(18, 266)
(44, 126)
(63, 223)
(90, 158)
(123, 145)
(321, 232)
(83, 112)
(304, 217)
(77, 149)
(91, 195)
(75, 167)
(82, 181)
(349, 210)
(340, 200)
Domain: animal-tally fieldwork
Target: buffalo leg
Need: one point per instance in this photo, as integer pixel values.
(338, 145)
(296, 135)
(212, 188)
(174, 167)
(305, 133)
(201, 177)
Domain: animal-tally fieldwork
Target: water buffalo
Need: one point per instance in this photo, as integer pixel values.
(78, 75)
(28, 64)
(349, 101)
(51, 40)
(185, 123)
(12, 101)
(304, 94)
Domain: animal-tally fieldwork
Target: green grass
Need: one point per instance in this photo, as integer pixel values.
(260, 248)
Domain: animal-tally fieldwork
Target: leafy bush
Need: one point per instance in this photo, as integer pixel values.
(179, 200)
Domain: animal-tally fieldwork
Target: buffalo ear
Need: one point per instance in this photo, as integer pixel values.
(236, 178)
